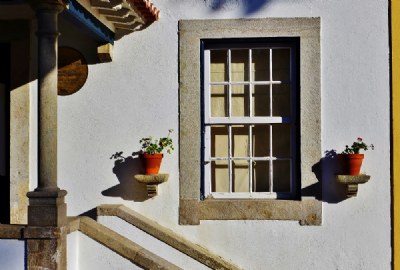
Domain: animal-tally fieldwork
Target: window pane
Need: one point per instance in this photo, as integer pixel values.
(219, 141)
(260, 65)
(281, 100)
(261, 176)
(260, 102)
(281, 143)
(219, 66)
(219, 100)
(240, 100)
(281, 176)
(240, 65)
(260, 141)
(240, 176)
(240, 141)
(280, 64)
(219, 176)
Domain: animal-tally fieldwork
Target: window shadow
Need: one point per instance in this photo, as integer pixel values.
(327, 189)
(128, 188)
(249, 7)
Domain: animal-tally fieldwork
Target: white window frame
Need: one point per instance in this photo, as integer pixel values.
(208, 120)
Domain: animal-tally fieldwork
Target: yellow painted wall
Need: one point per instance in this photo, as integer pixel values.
(395, 20)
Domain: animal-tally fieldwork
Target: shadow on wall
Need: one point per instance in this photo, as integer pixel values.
(128, 188)
(327, 189)
(249, 6)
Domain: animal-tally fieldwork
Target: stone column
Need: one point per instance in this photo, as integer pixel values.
(47, 209)
(47, 33)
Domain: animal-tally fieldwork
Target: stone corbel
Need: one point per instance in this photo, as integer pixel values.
(104, 52)
(152, 181)
(352, 182)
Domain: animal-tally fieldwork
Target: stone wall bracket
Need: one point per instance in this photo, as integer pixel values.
(351, 182)
(152, 181)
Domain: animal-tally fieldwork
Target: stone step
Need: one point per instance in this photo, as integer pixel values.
(167, 236)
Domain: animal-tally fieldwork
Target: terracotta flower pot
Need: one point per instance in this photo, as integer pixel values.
(350, 163)
(151, 163)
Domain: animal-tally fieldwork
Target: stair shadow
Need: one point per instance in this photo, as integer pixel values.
(92, 213)
(128, 188)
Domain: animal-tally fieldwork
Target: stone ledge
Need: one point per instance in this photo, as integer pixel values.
(353, 179)
(351, 182)
(11, 231)
(167, 236)
(22, 232)
(306, 211)
(32, 232)
(151, 181)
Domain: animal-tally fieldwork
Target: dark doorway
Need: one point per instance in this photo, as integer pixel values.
(5, 133)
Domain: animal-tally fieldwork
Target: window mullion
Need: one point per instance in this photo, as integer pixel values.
(230, 84)
(207, 85)
(250, 127)
(251, 160)
(271, 167)
(207, 159)
(271, 173)
(230, 157)
(250, 84)
(229, 115)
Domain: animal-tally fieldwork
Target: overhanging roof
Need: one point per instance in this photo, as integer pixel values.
(121, 17)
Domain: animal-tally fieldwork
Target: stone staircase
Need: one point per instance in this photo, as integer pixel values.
(136, 253)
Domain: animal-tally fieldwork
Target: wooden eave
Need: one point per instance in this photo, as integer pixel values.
(122, 16)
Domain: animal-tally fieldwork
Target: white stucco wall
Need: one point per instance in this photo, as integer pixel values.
(94, 256)
(137, 95)
(151, 244)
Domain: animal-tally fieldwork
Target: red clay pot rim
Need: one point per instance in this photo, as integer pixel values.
(352, 155)
(152, 155)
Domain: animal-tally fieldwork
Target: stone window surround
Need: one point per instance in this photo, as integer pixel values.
(308, 210)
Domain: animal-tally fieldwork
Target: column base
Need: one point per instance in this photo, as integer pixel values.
(47, 208)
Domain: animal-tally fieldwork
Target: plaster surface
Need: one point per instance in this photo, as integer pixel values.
(150, 243)
(95, 256)
(136, 95)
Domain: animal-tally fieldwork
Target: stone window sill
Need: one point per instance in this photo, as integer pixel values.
(306, 211)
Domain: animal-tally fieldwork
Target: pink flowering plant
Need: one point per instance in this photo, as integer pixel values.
(357, 146)
(152, 146)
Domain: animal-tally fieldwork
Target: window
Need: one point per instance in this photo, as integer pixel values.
(249, 135)
(249, 118)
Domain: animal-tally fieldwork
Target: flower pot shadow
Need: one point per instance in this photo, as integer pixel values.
(128, 188)
(327, 189)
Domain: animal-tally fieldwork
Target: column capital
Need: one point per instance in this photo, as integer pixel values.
(48, 5)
